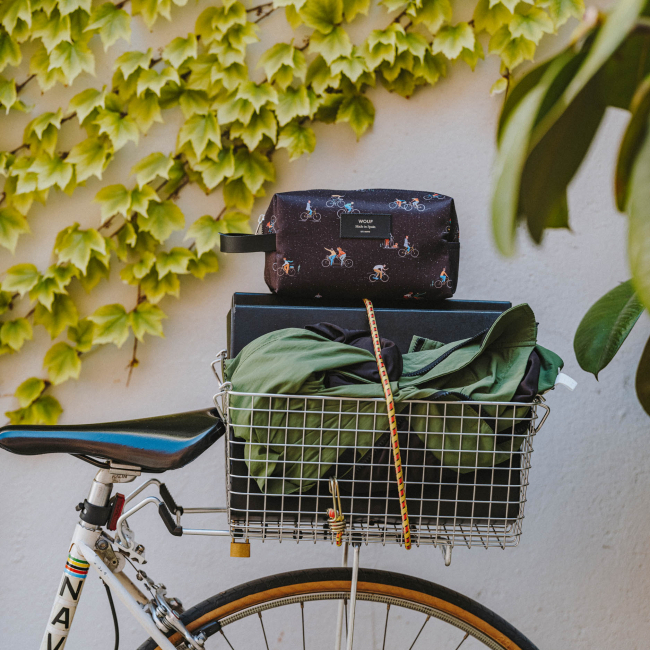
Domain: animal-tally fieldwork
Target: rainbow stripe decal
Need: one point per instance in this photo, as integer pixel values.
(76, 568)
(388, 394)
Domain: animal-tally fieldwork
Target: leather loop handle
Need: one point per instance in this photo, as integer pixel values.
(242, 243)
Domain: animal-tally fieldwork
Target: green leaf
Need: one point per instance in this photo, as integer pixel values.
(72, 59)
(45, 290)
(114, 199)
(75, 246)
(254, 169)
(431, 68)
(8, 94)
(82, 335)
(97, 271)
(512, 51)
(499, 86)
(531, 23)
(6, 300)
(174, 261)
(471, 57)
(561, 10)
(294, 102)
(119, 129)
(111, 22)
(147, 319)
(15, 332)
(198, 131)
(12, 225)
(604, 328)
(433, 14)
(258, 95)
(490, 19)
(261, 124)
(61, 274)
(155, 81)
(331, 45)
(276, 58)
(52, 29)
(111, 325)
(320, 77)
(205, 232)
(632, 142)
(156, 289)
(179, 50)
(162, 219)
(358, 111)
(642, 380)
(297, 139)
(204, 264)
(51, 171)
(236, 195)
(140, 198)
(322, 15)
(69, 6)
(193, 102)
(214, 171)
(352, 8)
(235, 222)
(29, 391)
(39, 65)
(151, 167)
(63, 313)
(20, 279)
(90, 158)
(451, 40)
(9, 51)
(86, 102)
(129, 62)
(62, 363)
(45, 410)
(14, 11)
(145, 110)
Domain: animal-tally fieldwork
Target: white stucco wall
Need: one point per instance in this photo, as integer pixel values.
(580, 578)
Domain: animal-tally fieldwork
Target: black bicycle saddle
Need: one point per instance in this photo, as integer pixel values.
(152, 444)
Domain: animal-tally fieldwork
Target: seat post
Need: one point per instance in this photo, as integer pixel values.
(100, 490)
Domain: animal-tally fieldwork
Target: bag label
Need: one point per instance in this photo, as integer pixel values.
(365, 226)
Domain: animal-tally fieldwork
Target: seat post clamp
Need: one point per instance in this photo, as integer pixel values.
(94, 515)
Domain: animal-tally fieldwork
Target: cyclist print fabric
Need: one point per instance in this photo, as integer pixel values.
(417, 260)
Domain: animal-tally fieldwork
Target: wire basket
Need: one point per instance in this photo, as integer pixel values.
(465, 465)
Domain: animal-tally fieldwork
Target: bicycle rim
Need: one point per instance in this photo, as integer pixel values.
(299, 609)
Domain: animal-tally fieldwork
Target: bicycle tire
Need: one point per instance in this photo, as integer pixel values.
(380, 586)
(414, 252)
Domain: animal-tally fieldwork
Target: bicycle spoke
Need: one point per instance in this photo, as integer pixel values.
(383, 645)
(263, 630)
(226, 638)
(302, 613)
(420, 632)
(463, 641)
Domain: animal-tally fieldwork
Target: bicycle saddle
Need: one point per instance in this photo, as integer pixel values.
(153, 444)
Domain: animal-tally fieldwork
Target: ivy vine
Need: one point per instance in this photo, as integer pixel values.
(234, 123)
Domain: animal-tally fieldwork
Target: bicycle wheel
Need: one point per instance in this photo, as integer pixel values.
(384, 278)
(414, 252)
(326, 262)
(316, 216)
(330, 203)
(402, 252)
(347, 263)
(419, 206)
(374, 278)
(392, 205)
(299, 609)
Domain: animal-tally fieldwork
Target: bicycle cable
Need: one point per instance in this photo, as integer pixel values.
(114, 614)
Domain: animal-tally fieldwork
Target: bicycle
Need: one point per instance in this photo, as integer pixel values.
(346, 263)
(418, 206)
(400, 204)
(438, 284)
(429, 197)
(280, 270)
(374, 277)
(313, 215)
(335, 202)
(122, 451)
(346, 211)
(413, 252)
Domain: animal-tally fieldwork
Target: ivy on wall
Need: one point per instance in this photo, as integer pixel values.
(232, 126)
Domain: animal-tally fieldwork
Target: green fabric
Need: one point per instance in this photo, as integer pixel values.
(294, 362)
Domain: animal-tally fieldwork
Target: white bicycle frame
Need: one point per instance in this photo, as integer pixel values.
(91, 546)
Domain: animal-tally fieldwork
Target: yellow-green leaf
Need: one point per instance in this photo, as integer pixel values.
(147, 319)
(111, 22)
(358, 111)
(114, 199)
(198, 131)
(179, 50)
(87, 101)
(29, 390)
(129, 62)
(52, 29)
(204, 264)
(254, 169)
(152, 166)
(214, 171)
(15, 332)
(82, 334)
(531, 23)
(140, 198)
(322, 15)
(205, 232)
(162, 219)
(297, 139)
(75, 246)
(118, 128)
(63, 313)
(72, 59)
(490, 19)
(111, 325)
(433, 14)
(90, 158)
(561, 10)
(237, 195)
(156, 289)
(20, 279)
(261, 124)
(332, 45)
(174, 261)
(62, 363)
(45, 410)
(12, 225)
(451, 40)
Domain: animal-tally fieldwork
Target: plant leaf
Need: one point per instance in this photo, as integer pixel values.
(20, 279)
(152, 166)
(90, 158)
(62, 363)
(147, 319)
(29, 391)
(358, 111)
(322, 15)
(111, 22)
(297, 139)
(605, 326)
(111, 325)
(114, 199)
(205, 231)
(14, 333)
(76, 246)
(642, 379)
(62, 314)
(162, 219)
(12, 225)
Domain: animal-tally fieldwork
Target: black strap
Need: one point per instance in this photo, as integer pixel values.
(242, 243)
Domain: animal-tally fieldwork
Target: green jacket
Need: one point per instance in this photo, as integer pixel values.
(294, 362)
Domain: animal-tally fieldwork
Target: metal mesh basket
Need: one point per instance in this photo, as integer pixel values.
(465, 464)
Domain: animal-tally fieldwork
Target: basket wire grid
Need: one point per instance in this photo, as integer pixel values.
(466, 467)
